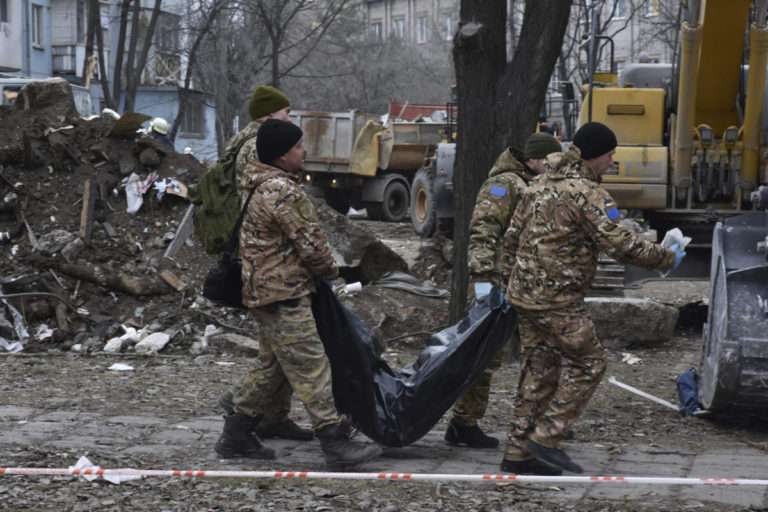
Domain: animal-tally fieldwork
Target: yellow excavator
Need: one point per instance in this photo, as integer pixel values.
(689, 151)
(692, 154)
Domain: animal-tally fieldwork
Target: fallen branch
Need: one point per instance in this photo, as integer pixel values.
(118, 281)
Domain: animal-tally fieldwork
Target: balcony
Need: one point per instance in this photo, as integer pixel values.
(68, 60)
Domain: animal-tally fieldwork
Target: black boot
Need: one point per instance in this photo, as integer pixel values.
(529, 467)
(552, 456)
(473, 437)
(340, 452)
(238, 439)
(283, 429)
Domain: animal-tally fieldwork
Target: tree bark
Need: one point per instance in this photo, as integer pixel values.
(131, 57)
(191, 62)
(118, 78)
(499, 99)
(135, 80)
(102, 65)
(89, 37)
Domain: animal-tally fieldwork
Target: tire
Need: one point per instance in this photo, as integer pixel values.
(338, 200)
(423, 215)
(393, 206)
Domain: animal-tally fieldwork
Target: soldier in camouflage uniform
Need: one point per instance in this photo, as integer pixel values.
(561, 224)
(495, 204)
(266, 102)
(283, 250)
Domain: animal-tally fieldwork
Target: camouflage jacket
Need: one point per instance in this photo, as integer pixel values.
(563, 221)
(495, 204)
(247, 153)
(282, 246)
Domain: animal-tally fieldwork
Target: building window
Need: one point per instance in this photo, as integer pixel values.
(398, 27)
(652, 7)
(3, 11)
(193, 118)
(37, 25)
(620, 9)
(446, 24)
(80, 21)
(168, 33)
(422, 24)
(376, 31)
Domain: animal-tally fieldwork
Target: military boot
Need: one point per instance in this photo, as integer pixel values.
(457, 435)
(340, 452)
(239, 440)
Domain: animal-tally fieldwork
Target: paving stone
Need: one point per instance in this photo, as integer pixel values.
(11, 412)
(176, 436)
(742, 496)
(204, 425)
(67, 416)
(17, 437)
(136, 420)
(158, 450)
(84, 442)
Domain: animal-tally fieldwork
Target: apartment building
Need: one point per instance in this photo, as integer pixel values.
(642, 30)
(416, 21)
(25, 38)
(44, 38)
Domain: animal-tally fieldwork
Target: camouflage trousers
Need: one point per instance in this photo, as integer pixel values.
(562, 364)
(292, 359)
(471, 407)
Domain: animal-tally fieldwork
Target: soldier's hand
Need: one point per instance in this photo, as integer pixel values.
(482, 289)
(679, 255)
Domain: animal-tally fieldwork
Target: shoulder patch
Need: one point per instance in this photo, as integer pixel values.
(498, 191)
(613, 213)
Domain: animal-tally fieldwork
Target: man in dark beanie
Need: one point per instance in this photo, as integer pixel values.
(283, 249)
(560, 226)
(266, 102)
(494, 206)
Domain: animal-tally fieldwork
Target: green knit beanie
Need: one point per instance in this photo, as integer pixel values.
(265, 100)
(539, 145)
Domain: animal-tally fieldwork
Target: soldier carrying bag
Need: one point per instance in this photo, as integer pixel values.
(224, 282)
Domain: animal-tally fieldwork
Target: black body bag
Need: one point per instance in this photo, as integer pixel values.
(224, 282)
(398, 407)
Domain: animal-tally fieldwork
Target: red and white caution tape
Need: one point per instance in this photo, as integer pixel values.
(129, 474)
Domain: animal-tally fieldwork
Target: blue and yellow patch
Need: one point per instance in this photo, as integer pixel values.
(498, 191)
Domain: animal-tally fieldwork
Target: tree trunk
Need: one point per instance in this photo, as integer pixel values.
(499, 100)
(102, 65)
(120, 50)
(191, 62)
(131, 57)
(89, 37)
(135, 79)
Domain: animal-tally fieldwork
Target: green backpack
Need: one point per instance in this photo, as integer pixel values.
(217, 202)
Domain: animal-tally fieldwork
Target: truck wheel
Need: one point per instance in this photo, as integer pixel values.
(423, 215)
(393, 206)
(338, 200)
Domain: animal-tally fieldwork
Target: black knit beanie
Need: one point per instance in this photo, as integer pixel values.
(594, 139)
(275, 138)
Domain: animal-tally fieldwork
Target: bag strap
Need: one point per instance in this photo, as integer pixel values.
(234, 238)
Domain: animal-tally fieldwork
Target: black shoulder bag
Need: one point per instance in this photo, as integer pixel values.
(224, 282)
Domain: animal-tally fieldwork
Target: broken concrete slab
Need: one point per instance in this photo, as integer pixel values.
(392, 313)
(359, 255)
(627, 320)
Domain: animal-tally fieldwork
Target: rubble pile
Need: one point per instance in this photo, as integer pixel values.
(95, 233)
(77, 268)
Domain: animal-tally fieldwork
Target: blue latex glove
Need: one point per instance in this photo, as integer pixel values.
(482, 289)
(679, 255)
